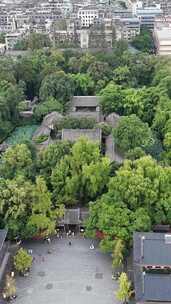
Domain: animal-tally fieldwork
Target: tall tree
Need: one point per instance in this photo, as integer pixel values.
(16, 160)
(138, 196)
(57, 85)
(81, 175)
(131, 132)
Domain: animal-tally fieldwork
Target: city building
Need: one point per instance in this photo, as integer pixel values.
(128, 27)
(88, 15)
(162, 40)
(11, 39)
(146, 14)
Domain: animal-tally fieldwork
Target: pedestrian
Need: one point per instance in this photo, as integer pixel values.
(92, 246)
(48, 240)
(18, 242)
(69, 243)
(12, 274)
(73, 233)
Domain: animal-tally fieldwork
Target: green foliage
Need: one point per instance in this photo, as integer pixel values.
(49, 157)
(41, 138)
(2, 37)
(57, 85)
(106, 129)
(22, 106)
(132, 133)
(135, 153)
(26, 208)
(10, 96)
(142, 102)
(82, 175)
(118, 254)
(112, 99)
(47, 107)
(122, 76)
(16, 160)
(75, 123)
(144, 41)
(84, 84)
(99, 71)
(22, 261)
(138, 87)
(37, 41)
(124, 292)
(138, 196)
(21, 45)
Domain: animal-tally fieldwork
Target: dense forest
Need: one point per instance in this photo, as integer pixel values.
(35, 186)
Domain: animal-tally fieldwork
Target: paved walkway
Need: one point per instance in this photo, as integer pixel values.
(69, 275)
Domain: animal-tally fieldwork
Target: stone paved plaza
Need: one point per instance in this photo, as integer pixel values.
(69, 275)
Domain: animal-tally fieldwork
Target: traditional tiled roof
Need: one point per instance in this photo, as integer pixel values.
(75, 134)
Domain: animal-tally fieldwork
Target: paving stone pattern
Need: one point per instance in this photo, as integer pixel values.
(69, 275)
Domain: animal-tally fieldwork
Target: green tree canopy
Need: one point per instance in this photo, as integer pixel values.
(44, 108)
(26, 208)
(144, 41)
(84, 84)
(112, 99)
(138, 196)
(57, 85)
(131, 132)
(124, 292)
(16, 160)
(81, 175)
(22, 261)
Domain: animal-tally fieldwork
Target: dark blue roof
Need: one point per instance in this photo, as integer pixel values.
(152, 249)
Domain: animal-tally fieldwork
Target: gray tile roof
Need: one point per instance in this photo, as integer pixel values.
(42, 130)
(157, 287)
(74, 216)
(153, 250)
(85, 101)
(96, 115)
(50, 119)
(75, 134)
